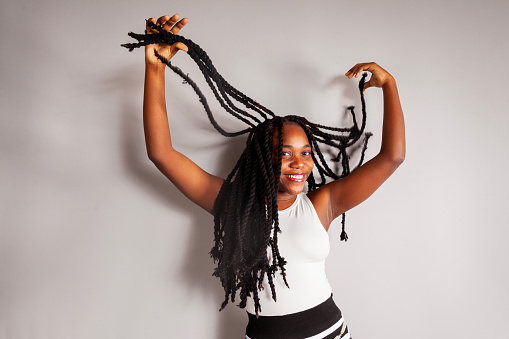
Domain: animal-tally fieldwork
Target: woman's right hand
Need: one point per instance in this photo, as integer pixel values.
(169, 24)
(379, 76)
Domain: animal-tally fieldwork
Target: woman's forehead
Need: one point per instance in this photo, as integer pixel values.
(293, 136)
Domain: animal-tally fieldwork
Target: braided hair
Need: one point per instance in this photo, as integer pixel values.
(246, 223)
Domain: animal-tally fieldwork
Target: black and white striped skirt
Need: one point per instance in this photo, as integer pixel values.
(320, 322)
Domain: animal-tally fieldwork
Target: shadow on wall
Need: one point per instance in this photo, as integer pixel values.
(350, 94)
(196, 271)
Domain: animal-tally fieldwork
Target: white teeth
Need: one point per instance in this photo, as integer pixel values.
(296, 176)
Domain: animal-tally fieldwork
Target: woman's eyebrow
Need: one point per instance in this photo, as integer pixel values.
(292, 146)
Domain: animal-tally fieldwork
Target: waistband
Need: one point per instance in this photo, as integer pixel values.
(322, 321)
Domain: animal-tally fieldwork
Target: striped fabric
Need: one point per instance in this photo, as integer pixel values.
(343, 334)
(320, 322)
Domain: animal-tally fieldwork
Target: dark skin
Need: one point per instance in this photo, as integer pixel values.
(330, 200)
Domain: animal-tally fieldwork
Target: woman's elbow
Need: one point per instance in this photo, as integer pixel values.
(394, 155)
(155, 157)
(399, 158)
(393, 159)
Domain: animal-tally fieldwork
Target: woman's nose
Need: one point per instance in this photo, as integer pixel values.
(297, 162)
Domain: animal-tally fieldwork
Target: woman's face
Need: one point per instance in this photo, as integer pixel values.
(297, 163)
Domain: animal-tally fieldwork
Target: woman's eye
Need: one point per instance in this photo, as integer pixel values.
(306, 153)
(286, 154)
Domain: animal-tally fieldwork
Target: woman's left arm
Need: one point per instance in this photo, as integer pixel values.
(343, 194)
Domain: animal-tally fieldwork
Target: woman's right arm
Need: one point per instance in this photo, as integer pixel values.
(199, 186)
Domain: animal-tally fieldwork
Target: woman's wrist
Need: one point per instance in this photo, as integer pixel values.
(155, 67)
(390, 82)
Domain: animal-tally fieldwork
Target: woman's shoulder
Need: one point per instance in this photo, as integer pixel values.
(320, 200)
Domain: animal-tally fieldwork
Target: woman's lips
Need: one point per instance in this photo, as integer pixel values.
(296, 177)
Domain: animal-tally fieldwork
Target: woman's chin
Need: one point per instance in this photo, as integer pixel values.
(292, 190)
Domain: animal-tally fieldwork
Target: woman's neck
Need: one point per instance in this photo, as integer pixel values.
(285, 200)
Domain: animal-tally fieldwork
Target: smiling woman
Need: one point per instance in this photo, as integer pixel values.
(260, 210)
(296, 164)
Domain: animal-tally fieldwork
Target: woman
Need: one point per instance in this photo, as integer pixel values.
(260, 210)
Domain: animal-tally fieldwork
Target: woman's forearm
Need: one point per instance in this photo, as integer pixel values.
(155, 120)
(393, 131)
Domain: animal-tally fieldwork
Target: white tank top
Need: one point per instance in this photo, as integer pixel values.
(304, 244)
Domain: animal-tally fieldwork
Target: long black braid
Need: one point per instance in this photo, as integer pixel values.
(246, 222)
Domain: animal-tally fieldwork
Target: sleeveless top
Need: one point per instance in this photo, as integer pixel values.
(304, 244)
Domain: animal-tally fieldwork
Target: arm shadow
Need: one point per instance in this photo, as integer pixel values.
(196, 270)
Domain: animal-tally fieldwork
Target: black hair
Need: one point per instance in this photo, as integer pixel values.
(246, 223)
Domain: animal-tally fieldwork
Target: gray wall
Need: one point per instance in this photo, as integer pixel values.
(95, 243)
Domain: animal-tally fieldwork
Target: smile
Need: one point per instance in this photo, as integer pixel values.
(296, 177)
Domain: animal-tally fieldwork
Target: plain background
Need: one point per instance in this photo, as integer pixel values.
(96, 243)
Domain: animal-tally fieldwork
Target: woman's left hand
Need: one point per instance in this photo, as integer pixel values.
(379, 76)
(169, 24)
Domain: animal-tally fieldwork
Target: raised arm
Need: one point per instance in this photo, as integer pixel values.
(199, 186)
(339, 196)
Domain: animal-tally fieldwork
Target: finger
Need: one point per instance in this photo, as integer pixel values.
(350, 73)
(367, 85)
(354, 71)
(182, 46)
(167, 26)
(162, 19)
(148, 28)
(362, 67)
(359, 68)
(178, 26)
